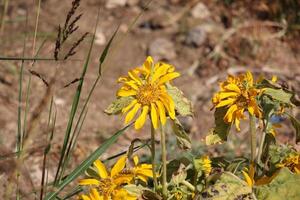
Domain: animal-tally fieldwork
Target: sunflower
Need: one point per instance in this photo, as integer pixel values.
(146, 85)
(238, 94)
(292, 162)
(110, 183)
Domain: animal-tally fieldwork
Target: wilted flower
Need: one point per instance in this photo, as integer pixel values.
(147, 87)
(203, 164)
(292, 162)
(238, 94)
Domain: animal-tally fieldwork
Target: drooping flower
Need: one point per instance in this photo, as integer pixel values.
(238, 94)
(203, 164)
(292, 162)
(147, 87)
(109, 184)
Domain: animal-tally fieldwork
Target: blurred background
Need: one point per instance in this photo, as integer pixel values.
(204, 40)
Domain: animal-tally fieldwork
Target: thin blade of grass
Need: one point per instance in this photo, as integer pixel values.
(32, 59)
(73, 110)
(86, 163)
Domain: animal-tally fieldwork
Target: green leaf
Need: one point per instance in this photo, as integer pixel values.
(183, 140)
(136, 190)
(228, 187)
(296, 125)
(116, 106)
(182, 105)
(220, 132)
(85, 164)
(284, 186)
(279, 94)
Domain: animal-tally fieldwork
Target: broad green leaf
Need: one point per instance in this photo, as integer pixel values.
(279, 94)
(183, 140)
(182, 105)
(116, 106)
(220, 132)
(136, 190)
(228, 187)
(85, 164)
(285, 185)
(296, 125)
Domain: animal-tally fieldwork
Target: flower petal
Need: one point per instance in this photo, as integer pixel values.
(101, 169)
(133, 102)
(160, 70)
(135, 160)
(248, 179)
(89, 181)
(126, 93)
(168, 77)
(232, 87)
(225, 102)
(119, 166)
(154, 116)
(85, 197)
(142, 118)
(95, 195)
(230, 113)
(162, 112)
(132, 113)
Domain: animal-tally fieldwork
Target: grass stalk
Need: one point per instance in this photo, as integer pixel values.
(164, 163)
(153, 157)
(5, 7)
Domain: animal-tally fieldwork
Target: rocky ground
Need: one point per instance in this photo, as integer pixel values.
(204, 40)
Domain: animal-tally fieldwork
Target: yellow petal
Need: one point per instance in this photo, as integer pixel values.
(248, 179)
(95, 195)
(225, 102)
(135, 77)
(89, 181)
(142, 178)
(249, 78)
(154, 117)
(232, 87)
(119, 166)
(142, 118)
(126, 93)
(237, 124)
(168, 77)
(148, 63)
(160, 70)
(132, 85)
(169, 105)
(224, 95)
(101, 169)
(136, 160)
(162, 112)
(230, 112)
(85, 197)
(132, 113)
(274, 79)
(133, 102)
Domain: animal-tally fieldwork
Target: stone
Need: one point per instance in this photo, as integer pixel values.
(200, 11)
(132, 2)
(162, 49)
(196, 36)
(110, 4)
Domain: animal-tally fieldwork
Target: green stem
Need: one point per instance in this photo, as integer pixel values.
(164, 163)
(189, 185)
(253, 137)
(153, 157)
(262, 141)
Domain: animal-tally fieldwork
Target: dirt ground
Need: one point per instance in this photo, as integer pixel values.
(204, 40)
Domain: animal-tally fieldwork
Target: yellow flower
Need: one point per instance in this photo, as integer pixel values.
(238, 94)
(204, 164)
(147, 86)
(142, 171)
(292, 162)
(108, 184)
(119, 194)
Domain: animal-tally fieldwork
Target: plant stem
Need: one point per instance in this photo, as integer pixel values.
(262, 141)
(153, 157)
(164, 162)
(252, 137)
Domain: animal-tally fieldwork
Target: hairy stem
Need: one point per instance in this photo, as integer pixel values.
(252, 137)
(164, 163)
(153, 157)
